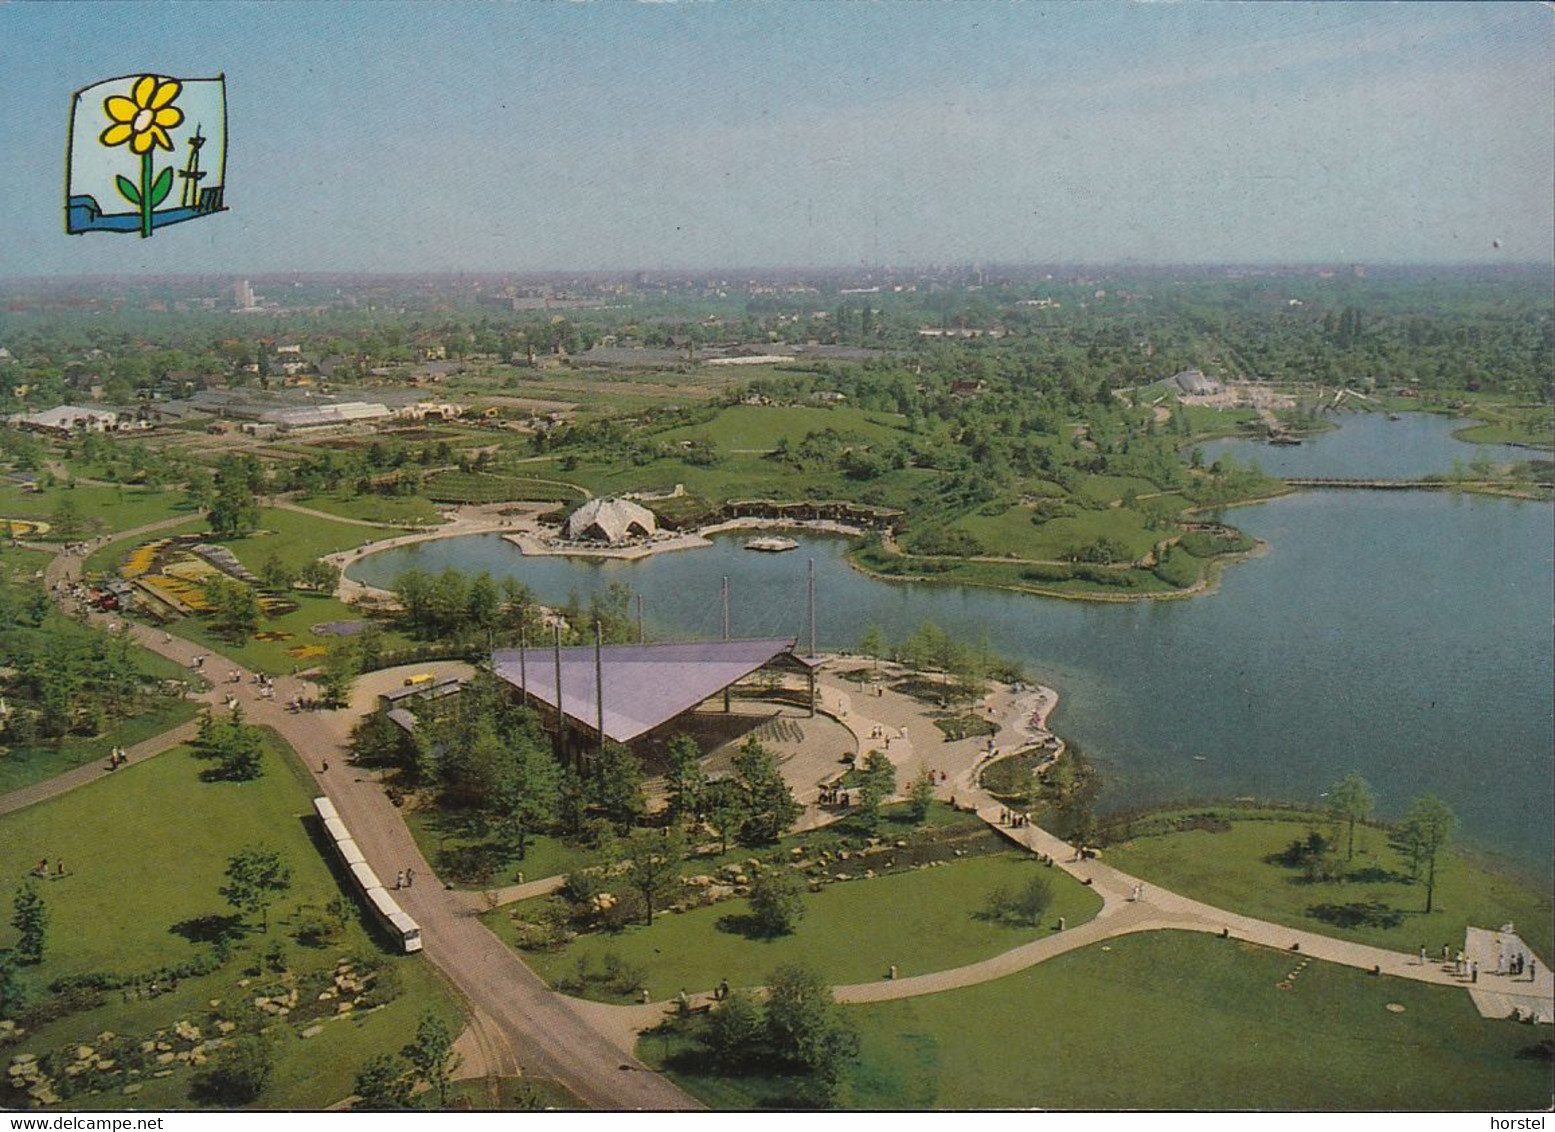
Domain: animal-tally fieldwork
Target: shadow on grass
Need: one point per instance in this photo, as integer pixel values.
(213, 928)
(1358, 913)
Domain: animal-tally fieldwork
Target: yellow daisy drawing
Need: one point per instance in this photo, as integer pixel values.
(144, 120)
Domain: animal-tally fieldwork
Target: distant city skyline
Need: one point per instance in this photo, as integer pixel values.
(545, 138)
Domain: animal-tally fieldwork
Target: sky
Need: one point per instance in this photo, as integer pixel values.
(552, 136)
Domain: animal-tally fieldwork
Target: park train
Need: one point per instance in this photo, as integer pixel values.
(405, 931)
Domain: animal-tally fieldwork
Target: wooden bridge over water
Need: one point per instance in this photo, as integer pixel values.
(1393, 485)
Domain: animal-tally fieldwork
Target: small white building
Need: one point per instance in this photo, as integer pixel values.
(67, 420)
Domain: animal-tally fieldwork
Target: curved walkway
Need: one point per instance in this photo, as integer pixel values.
(518, 1020)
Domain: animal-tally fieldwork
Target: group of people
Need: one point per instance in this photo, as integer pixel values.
(1013, 818)
(835, 796)
(41, 869)
(405, 878)
(117, 758)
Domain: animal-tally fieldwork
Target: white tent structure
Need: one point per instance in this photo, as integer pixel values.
(610, 521)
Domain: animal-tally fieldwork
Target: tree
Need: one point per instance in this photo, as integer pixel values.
(234, 608)
(527, 798)
(685, 781)
(615, 785)
(920, 794)
(275, 574)
(241, 1069)
(770, 806)
(431, 1054)
(804, 1029)
(318, 576)
(1350, 800)
(12, 998)
(255, 877)
(339, 673)
(235, 745)
(724, 809)
(873, 643)
(776, 903)
(66, 517)
(234, 512)
(879, 784)
(30, 918)
(735, 1030)
(1423, 834)
(653, 867)
(383, 1085)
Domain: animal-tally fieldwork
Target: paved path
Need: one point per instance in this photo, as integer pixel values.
(94, 770)
(519, 1020)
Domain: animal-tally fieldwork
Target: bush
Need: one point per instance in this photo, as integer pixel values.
(241, 1069)
(776, 903)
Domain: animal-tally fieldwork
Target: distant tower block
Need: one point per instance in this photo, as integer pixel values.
(191, 173)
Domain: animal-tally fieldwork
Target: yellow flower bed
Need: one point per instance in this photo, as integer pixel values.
(140, 560)
(23, 528)
(302, 652)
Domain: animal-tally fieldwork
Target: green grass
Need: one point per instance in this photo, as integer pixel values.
(145, 849)
(271, 656)
(295, 539)
(1229, 871)
(404, 510)
(762, 427)
(1167, 1020)
(99, 509)
(920, 921)
(446, 840)
(1014, 534)
(514, 1094)
(1179, 1021)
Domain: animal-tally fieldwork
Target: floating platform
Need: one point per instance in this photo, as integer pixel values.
(772, 545)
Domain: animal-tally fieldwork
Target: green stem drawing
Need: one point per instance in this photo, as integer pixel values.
(145, 194)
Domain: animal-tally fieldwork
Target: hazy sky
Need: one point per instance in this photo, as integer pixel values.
(545, 135)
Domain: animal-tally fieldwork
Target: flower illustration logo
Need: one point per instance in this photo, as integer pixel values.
(143, 121)
(150, 119)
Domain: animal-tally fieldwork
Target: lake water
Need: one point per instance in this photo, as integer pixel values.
(1406, 635)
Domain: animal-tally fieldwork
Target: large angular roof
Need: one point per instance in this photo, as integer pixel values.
(613, 517)
(644, 685)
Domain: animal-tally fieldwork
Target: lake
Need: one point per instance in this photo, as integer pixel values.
(1405, 635)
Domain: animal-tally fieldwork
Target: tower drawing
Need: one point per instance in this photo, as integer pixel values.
(191, 172)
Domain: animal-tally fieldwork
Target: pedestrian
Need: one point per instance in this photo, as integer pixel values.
(723, 989)
(1446, 951)
(43, 867)
(167, 638)
(1061, 923)
(324, 767)
(1422, 955)
(1533, 971)
(399, 879)
(410, 877)
(59, 867)
(1473, 972)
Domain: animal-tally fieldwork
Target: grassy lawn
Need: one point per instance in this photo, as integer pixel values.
(100, 510)
(1228, 869)
(295, 539)
(272, 656)
(761, 427)
(1014, 534)
(404, 510)
(22, 766)
(145, 850)
(1168, 1020)
(459, 846)
(921, 921)
(512, 1094)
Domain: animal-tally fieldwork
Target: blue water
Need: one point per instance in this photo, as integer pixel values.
(1406, 635)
